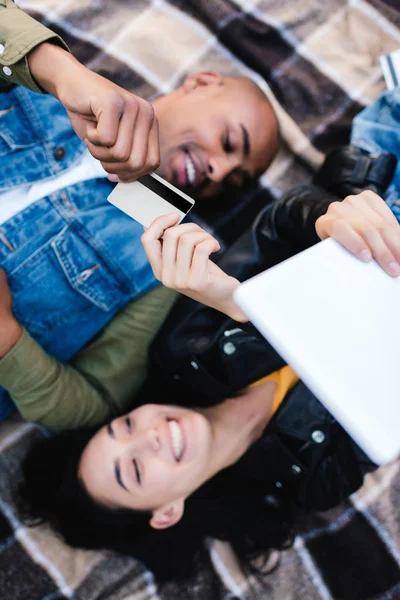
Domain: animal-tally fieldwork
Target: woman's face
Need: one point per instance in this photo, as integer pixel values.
(149, 458)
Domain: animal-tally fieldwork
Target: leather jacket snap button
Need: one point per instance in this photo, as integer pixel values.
(59, 153)
(278, 484)
(296, 470)
(318, 436)
(194, 365)
(229, 348)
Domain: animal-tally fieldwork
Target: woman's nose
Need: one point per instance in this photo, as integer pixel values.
(220, 167)
(147, 440)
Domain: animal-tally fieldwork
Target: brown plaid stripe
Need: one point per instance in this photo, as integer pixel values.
(318, 62)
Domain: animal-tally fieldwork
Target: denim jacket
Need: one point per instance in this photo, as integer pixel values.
(72, 259)
(377, 129)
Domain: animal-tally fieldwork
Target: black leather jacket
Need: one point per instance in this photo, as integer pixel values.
(201, 356)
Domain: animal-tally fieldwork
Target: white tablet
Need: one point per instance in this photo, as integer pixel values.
(336, 321)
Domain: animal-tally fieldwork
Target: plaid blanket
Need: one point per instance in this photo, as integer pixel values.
(318, 62)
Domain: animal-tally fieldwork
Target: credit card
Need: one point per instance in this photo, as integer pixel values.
(150, 197)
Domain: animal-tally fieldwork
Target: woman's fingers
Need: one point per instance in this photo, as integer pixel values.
(366, 227)
(152, 244)
(375, 203)
(171, 259)
(380, 251)
(391, 236)
(189, 246)
(346, 235)
(200, 270)
(171, 242)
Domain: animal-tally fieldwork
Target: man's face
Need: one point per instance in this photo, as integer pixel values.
(215, 134)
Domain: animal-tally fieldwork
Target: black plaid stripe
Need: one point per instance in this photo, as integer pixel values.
(213, 14)
(354, 562)
(6, 531)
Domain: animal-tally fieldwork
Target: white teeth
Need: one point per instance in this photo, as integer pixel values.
(190, 170)
(177, 438)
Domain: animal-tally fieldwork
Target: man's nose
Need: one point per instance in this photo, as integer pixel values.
(219, 167)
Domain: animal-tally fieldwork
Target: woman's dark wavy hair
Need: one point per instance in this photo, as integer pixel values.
(227, 507)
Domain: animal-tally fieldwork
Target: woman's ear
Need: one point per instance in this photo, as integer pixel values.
(168, 515)
(202, 79)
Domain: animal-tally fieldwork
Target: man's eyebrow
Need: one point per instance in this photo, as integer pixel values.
(117, 471)
(246, 141)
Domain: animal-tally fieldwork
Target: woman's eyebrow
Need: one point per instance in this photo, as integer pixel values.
(117, 472)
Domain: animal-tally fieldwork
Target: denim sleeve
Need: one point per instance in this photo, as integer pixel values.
(19, 34)
(99, 382)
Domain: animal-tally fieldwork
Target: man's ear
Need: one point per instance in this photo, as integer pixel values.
(168, 515)
(202, 79)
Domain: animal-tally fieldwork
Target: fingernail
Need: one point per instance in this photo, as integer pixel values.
(394, 269)
(365, 255)
(113, 178)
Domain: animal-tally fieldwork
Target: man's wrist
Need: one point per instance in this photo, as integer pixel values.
(48, 63)
(10, 333)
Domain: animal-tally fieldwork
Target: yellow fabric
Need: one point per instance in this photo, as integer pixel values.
(285, 380)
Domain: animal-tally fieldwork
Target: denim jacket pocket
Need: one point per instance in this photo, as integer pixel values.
(16, 132)
(85, 271)
(62, 282)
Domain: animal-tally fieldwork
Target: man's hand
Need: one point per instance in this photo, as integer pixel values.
(366, 226)
(10, 329)
(120, 129)
(179, 257)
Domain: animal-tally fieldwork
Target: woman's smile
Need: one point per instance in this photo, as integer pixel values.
(177, 439)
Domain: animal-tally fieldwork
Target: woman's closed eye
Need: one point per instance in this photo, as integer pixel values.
(137, 472)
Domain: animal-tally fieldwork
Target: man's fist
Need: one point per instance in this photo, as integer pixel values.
(120, 129)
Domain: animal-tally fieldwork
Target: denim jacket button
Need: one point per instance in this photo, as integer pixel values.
(59, 153)
(2, 48)
(84, 276)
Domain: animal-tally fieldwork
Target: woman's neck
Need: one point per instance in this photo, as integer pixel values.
(238, 423)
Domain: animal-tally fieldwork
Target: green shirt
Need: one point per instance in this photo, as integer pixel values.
(102, 379)
(19, 34)
(99, 382)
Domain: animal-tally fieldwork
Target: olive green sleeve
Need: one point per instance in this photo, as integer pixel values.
(99, 382)
(19, 34)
